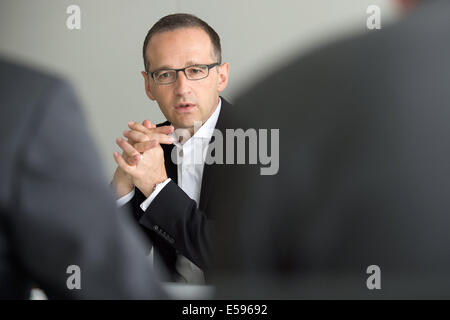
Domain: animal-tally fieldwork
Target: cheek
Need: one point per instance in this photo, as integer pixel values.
(209, 101)
(163, 97)
(210, 89)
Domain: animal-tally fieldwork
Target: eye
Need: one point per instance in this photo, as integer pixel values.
(164, 75)
(196, 70)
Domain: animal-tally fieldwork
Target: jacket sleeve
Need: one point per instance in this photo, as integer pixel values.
(174, 216)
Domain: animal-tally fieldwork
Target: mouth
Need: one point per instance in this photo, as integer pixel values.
(184, 107)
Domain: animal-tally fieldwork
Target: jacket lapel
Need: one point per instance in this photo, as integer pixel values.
(210, 169)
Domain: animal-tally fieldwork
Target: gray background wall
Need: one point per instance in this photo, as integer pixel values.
(103, 59)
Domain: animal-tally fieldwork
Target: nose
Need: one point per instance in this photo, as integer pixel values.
(182, 84)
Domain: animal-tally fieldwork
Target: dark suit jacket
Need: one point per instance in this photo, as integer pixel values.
(364, 174)
(173, 222)
(56, 209)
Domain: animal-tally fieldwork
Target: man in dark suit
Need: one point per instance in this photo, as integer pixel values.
(360, 207)
(168, 185)
(58, 216)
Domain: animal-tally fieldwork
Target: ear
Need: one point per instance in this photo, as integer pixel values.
(223, 76)
(148, 91)
(406, 5)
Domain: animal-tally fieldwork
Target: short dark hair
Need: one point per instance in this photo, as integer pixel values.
(182, 20)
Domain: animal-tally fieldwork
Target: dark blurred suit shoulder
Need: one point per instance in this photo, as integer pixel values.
(56, 209)
(364, 171)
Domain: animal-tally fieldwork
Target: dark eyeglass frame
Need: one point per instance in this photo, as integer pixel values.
(209, 66)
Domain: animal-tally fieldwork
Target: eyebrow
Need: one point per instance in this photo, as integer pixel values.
(192, 63)
(187, 64)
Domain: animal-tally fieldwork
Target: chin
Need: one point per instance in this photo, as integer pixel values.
(186, 123)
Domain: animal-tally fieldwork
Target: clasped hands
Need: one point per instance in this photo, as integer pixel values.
(141, 163)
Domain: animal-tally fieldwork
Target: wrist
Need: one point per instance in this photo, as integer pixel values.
(148, 190)
(122, 190)
(122, 183)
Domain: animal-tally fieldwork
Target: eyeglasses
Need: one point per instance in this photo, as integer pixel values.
(195, 72)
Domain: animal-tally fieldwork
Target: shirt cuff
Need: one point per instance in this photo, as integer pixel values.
(144, 205)
(124, 199)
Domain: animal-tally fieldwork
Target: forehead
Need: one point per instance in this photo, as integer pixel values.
(179, 47)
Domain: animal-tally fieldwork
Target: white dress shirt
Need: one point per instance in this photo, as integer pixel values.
(190, 159)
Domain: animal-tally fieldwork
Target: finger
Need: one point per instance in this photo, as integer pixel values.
(131, 141)
(121, 162)
(147, 124)
(137, 126)
(126, 157)
(162, 138)
(144, 129)
(127, 148)
(147, 145)
(130, 155)
(136, 136)
(164, 129)
(132, 161)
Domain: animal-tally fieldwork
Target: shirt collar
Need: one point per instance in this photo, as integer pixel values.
(207, 129)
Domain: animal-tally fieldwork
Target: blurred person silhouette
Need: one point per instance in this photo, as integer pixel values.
(360, 207)
(56, 210)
